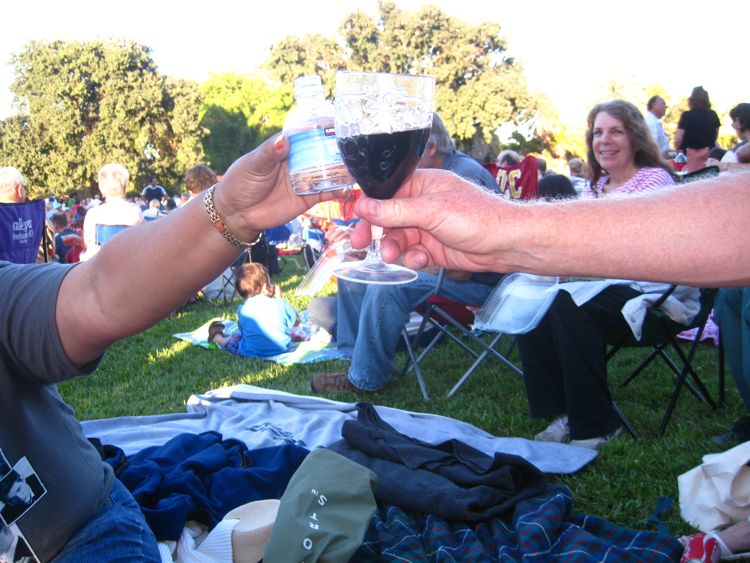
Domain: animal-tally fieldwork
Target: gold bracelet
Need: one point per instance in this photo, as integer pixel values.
(218, 222)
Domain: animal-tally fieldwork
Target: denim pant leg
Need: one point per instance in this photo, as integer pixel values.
(732, 314)
(118, 532)
(349, 298)
(383, 313)
(322, 312)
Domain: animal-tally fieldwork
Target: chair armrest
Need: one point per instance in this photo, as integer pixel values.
(658, 303)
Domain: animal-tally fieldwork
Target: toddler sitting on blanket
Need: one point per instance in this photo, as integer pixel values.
(265, 319)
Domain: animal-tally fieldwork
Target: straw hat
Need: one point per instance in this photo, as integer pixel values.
(253, 529)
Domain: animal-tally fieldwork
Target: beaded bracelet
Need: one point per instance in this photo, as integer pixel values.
(218, 222)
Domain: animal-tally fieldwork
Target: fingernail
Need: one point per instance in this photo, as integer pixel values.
(278, 144)
(373, 207)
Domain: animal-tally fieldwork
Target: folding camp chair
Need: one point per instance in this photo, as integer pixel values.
(104, 233)
(223, 286)
(313, 247)
(23, 232)
(660, 335)
(702, 174)
(453, 320)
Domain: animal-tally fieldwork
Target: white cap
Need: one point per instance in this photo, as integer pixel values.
(308, 85)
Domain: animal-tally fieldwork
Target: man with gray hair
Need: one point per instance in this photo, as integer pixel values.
(441, 153)
(656, 107)
(370, 313)
(113, 183)
(12, 186)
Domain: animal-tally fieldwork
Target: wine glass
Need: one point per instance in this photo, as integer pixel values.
(382, 123)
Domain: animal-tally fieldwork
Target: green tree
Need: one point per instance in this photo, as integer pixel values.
(186, 133)
(293, 57)
(83, 104)
(478, 87)
(239, 112)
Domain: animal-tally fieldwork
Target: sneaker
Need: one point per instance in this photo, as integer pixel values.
(701, 548)
(558, 431)
(331, 383)
(594, 443)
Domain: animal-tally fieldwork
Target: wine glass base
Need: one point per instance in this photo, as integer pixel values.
(383, 274)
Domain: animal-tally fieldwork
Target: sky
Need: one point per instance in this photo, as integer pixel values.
(571, 50)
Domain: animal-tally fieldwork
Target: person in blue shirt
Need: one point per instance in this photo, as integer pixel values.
(63, 233)
(265, 318)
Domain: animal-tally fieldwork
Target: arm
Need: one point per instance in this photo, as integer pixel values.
(669, 235)
(679, 134)
(132, 283)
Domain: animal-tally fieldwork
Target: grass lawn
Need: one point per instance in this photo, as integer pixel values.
(153, 373)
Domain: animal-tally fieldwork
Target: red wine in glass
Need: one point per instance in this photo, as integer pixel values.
(382, 123)
(381, 162)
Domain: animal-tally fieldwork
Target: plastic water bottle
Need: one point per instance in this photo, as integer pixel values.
(680, 160)
(315, 164)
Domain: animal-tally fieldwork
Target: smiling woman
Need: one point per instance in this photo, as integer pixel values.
(564, 360)
(622, 154)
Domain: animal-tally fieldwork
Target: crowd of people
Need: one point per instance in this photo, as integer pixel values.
(72, 222)
(439, 219)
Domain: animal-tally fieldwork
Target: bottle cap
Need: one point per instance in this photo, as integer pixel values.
(308, 85)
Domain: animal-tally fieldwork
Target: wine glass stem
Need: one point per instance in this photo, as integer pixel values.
(373, 253)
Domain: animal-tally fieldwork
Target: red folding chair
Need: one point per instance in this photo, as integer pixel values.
(443, 315)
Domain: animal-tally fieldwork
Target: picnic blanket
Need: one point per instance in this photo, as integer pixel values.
(265, 417)
(317, 349)
(540, 528)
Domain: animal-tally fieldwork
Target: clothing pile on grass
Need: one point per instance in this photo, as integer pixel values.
(375, 495)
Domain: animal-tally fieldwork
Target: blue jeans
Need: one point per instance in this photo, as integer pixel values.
(118, 532)
(370, 319)
(732, 313)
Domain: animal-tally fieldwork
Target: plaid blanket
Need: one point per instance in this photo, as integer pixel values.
(541, 529)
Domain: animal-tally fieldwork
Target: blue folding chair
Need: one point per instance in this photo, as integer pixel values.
(105, 232)
(278, 235)
(22, 231)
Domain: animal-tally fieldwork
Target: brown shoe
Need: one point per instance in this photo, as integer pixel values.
(331, 383)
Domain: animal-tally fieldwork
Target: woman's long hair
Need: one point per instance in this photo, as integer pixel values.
(646, 153)
(699, 99)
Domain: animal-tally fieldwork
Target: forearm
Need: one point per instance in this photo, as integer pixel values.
(139, 277)
(692, 234)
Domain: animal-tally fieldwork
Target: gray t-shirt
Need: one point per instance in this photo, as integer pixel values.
(39, 435)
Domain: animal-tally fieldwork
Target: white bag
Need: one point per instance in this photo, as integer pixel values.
(716, 494)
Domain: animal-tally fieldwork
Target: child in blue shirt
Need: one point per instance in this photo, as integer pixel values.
(264, 318)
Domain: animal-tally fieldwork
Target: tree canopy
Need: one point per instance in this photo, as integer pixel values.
(239, 112)
(83, 104)
(478, 87)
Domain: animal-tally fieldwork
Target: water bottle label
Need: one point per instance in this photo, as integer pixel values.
(313, 149)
